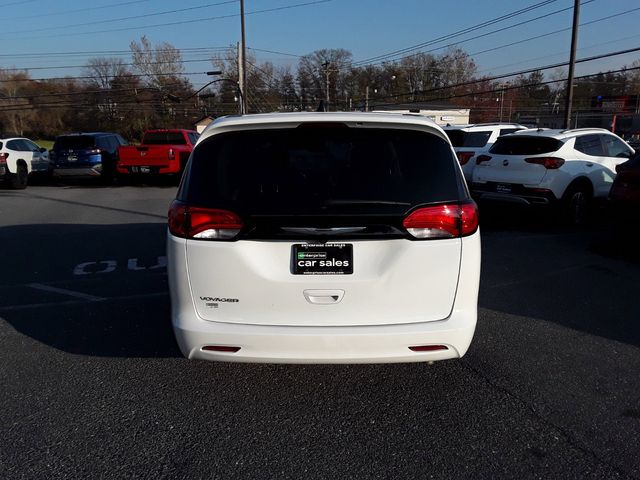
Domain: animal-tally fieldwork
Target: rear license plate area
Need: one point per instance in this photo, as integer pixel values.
(503, 188)
(322, 259)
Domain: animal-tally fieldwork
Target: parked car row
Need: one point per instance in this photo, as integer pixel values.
(102, 155)
(566, 168)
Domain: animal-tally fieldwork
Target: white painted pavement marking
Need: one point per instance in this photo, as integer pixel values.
(64, 291)
(109, 266)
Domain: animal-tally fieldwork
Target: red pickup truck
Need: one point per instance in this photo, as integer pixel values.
(161, 152)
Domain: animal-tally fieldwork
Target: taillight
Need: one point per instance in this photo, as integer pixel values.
(3, 157)
(171, 154)
(203, 223)
(464, 157)
(443, 221)
(550, 163)
(482, 158)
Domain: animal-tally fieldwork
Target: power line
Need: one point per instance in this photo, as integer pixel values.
(455, 34)
(132, 17)
(75, 10)
(181, 22)
(513, 74)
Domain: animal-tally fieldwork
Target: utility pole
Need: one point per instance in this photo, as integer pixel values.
(572, 63)
(326, 72)
(501, 101)
(366, 98)
(242, 77)
(241, 104)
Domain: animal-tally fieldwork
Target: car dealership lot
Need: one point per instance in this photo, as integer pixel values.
(93, 383)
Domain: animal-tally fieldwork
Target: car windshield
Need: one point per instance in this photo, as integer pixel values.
(321, 170)
(74, 142)
(164, 138)
(524, 145)
(461, 138)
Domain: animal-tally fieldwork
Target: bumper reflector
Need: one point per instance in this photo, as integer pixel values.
(220, 348)
(428, 348)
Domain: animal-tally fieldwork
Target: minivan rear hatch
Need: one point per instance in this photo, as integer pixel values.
(323, 193)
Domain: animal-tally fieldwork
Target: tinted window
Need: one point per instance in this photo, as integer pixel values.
(193, 137)
(615, 147)
(521, 145)
(590, 145)
(74, 142)
(121, 141)
(507, 131)
(164, 138)
(32, 146)
(316, 171)
(103, 143)
(15, 145)
(461, 138)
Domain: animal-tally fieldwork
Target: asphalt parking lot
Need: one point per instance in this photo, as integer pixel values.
(93, 384)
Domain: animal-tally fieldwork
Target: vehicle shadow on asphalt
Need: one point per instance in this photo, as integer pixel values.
(584, 278)
(97, 290)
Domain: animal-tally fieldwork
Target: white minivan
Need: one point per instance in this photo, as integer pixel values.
(323, 238)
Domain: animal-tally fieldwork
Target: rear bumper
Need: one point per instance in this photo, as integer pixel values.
(88, 171)
(362, 344)
(518, 194)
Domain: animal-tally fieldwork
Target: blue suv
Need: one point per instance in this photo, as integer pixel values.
(86, 155)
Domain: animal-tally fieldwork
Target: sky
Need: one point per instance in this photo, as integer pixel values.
(45, 35)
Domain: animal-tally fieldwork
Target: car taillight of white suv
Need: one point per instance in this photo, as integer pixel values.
(323, 238)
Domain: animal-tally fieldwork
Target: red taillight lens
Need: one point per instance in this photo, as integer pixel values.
(464, 157)
(203, 223)
(171, 154)
(3, 157)
(443, 221)
(550, 163)
(482, 158)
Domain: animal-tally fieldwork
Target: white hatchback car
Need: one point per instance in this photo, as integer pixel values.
(19, 157)
(543, 166)
(469, 141)
(323, 238)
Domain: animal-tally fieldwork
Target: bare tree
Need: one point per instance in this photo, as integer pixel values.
(104, 70)
(160, 65)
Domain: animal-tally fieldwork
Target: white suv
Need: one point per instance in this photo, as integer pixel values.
(323, 238)
(469, 141)
(542, 166)
(20, 157)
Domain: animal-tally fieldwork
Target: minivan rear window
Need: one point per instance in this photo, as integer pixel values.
(461, 138)
(74, 142)
(321, 171)
(164, 138)
(523, 145)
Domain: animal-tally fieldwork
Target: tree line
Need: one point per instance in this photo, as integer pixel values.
(152, 90)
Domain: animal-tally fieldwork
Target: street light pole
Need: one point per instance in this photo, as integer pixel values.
(572, 63)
